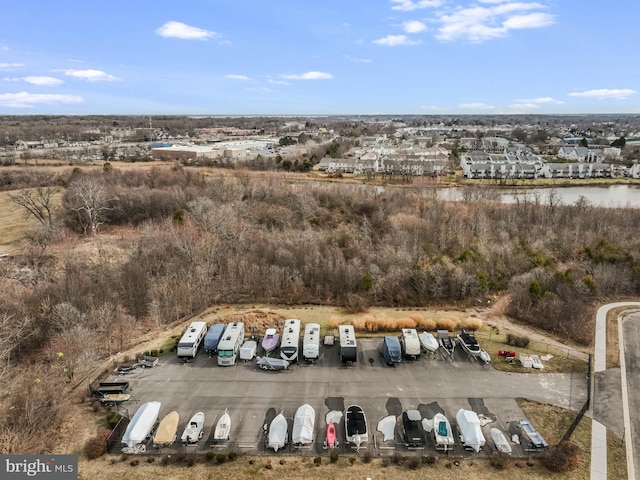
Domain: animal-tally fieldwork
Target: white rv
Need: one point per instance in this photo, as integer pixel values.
(230, 343)
(311, 342)
(192, 340)
(410, 343)
(290, 340)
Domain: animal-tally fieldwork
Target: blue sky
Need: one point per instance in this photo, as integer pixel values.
(241, 57)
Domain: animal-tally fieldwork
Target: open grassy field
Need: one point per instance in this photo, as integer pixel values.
(13, 223)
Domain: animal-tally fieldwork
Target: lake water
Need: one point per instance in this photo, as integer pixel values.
(597, 195)
(603, 196)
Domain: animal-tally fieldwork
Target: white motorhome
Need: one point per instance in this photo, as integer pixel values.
(290, 340)
(230, 343)
(410, 343)
(191, 341)
(311, 342)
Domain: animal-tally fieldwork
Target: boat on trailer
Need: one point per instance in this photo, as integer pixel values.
(442, 433)
(277, 437)
(500, 441)
(356, 426)
(166, 432)
(303, 424)
(469, 343)
(270, 341)
(223, 428)
(139, 428)
(194, 429)
(428, 342)
(332, 419)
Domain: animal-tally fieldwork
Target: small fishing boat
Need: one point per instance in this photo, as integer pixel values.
(115, 398)
(223, 428)
(442, 432)
(193, 431)
(536, 439)
(166, 432)
(500, 441)
(428, 342)
(303, 426)
(270, 341)
(277, 437)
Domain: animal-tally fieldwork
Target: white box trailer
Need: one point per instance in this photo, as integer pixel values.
(248, 350)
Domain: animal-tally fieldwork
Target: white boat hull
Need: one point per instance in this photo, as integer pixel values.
(223, 428)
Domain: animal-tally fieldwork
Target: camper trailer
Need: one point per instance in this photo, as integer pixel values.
(348, 345)
(229, 346)
(191, 341)
(290, 340)
(212, 338)
(410, 343)
(311, 342)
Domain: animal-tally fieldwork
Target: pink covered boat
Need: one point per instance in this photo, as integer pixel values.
(271, 340)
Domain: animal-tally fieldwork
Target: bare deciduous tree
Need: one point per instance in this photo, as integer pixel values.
(38, 203)
(90, 200)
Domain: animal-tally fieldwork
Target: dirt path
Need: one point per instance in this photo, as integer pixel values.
(494, 315)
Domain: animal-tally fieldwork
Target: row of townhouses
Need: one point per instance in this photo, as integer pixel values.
(431, 161)
(481, 165)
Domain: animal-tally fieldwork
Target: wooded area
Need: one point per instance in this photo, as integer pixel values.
(196, 241)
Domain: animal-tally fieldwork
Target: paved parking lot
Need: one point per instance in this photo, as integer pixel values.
(253, 397)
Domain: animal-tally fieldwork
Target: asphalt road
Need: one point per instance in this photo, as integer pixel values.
(631, 332)
(253, 397)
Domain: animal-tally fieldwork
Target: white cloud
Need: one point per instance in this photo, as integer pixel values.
(237, 77)
(91, 75)
(531, 20)
(278, 82)
(43, 81)
(414, 26)
(180, 30)
(605, 93)
(395, 40)
(409, 5)
(11, 66)
(358, 60)
(524, 106)
(478, 23)
(541, 100)
(4, 48)
(27, 100)
(309, 76)
(476, 106)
